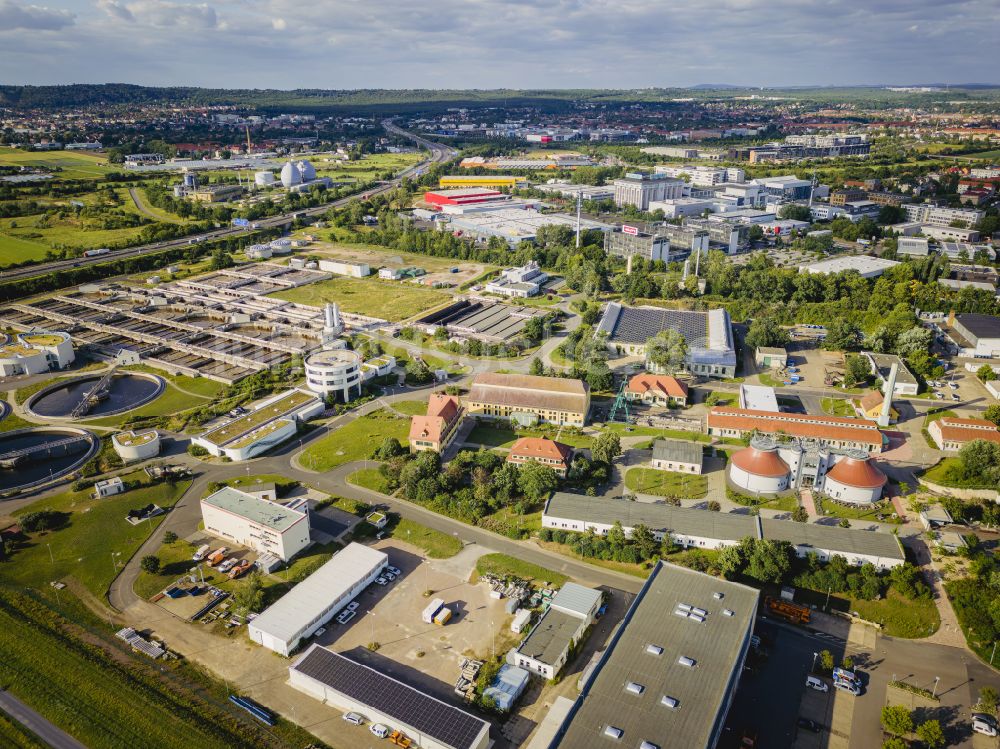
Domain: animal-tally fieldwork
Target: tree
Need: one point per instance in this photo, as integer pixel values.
(894, 743)
(826, 660)
(389, 448)
(985, 373)
(769, 561)
(249, 594)
(599, 377)
(221, 259)
(795, 212)
(606, 447)
(150, 563)
(931, 734)
(644, 540)
(43, 520)
(979, 459)
(856, 371)
(537, 368)
(914, 340)
(536, 481)
(666, 351)
(841, 335)
(169, 537)
(897, 720)
(764, 332)
(714, 506)
(844, 523)
(418, 372)
(988, 698)
(616, 536)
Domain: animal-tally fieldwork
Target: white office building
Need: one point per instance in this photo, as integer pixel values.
(335, 372)
(639, 189)
(925, 213)
(518, 282)
(34, 353)
(260, 524)
(546, 648)
(317, 599)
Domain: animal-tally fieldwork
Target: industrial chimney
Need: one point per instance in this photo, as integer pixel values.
(888, 389)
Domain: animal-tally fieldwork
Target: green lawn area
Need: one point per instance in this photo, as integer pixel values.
(369, 478)
(171, 401)
(503, 564)
(770, 380)
(941, 413)
(837, 407)
(410, 408)
(17, 250)
(666, 483)
(95, 541)
(355, 440)
(70, 164)
(788, 503)
(832, 509)
(900, 617)
(722, 398)
(12, 421)
(17, 735)
(436, 545)
(45, 232)
(991, 155)
(641, 431)
(367, 296)
(495, 436)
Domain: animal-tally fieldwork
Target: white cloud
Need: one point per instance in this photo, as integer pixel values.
(162, 13)
(278, 24)
(14, 16)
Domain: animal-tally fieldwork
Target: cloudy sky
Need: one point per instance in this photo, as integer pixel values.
(498, 43)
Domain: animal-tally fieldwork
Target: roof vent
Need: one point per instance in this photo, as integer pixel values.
(699, 612)
(648, 745)
(728, 612)
(613, 733)
(696, 617)
(670, 702)
(635, 688)
(654, 649)
(685, 661)
(718, 595)
(684, 606)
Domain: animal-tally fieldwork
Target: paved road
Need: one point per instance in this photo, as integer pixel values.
(141, 205)
(52, 735)
(439, 153)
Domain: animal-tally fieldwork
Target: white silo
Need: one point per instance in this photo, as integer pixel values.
(307, 171)
(263, 179)
(290, 175)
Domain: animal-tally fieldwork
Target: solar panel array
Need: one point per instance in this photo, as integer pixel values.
(446, 724)
(637, 324)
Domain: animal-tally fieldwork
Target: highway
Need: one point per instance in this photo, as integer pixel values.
(439, 153)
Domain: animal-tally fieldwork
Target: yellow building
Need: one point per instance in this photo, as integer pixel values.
(871, 406)
(479, 180)
(527, 399)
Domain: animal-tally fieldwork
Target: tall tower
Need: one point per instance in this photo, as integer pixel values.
(889, 388)
(333, 325)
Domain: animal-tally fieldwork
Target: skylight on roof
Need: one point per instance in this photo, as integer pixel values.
(718, 595)
(685, 661)
(634, 687)
(648, 745)
(728, 612)
(654, 649)
(670, 702)
(613, 733)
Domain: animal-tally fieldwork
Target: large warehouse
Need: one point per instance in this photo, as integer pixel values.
(670, 673)
(709, 335)
(528, 399)
(317, 599)
(347, 685)
(981, 332)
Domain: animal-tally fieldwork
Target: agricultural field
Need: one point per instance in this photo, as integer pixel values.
(91, 539)
(383, 299)
(65, 164)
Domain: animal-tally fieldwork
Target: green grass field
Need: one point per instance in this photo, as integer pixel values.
(67, 164)
(837, 407)
(38, 234)
(17, 736)
(367, 296)
(170, 401)
(436, 545)
(900, 617)
(16, 250)
(666, 483)
(355, 440)
(95, 542)
(503, 564)
(641, 431)
(369, 478)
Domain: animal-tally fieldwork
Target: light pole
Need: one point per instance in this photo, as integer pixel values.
(815, 655)
(371, 618)
(934, 692)
(493, 632)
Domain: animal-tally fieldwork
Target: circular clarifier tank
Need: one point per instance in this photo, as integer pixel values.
(29, 457)
(123, 392)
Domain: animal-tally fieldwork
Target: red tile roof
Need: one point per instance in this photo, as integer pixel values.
(837, 428)
(760, 462)
(441, 411)
(671, 386)
(541, 447)
(859, 473)
(967, 430)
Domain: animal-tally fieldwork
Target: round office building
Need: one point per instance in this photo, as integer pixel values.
(334, 372)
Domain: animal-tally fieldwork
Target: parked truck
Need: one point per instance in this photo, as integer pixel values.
(217, 556)
(432, 609)
(792, 612)
(443, 616)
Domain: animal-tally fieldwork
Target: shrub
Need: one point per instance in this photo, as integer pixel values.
(150, 563)
(43, 520)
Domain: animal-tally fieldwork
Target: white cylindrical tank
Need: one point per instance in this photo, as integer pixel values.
(136, 445)
(263, 179)
(759, 468)
(854, 479)
(334, 372)
(307, 171)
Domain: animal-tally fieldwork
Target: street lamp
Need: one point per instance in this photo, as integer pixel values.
(934, 692)
(815, 655)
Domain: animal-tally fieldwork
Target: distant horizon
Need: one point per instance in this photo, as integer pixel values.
(484, 44)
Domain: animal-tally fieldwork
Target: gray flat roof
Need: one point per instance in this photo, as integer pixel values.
(980, 326)
(550, 637)
(884, 363)
(256, 510)
(716, 645)
(834, 539)
(577, 598)
(658, 517)
(678, 450)
(445, 724)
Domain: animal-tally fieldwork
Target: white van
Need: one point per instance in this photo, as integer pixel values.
(354, 718)
(379, 730)
(984, 724)
(846, 686)
(201, 553)
(814, 682)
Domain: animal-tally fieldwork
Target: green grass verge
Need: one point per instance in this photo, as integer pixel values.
(504, 564)
(770, 380)
(369, 478)
(947, 472)
(436, 544)
(641, 431)
(96, 540)
(940, 413)
(171, 401)
(900, 617)
(367, 296)
(17, 736)
(666, 483)
(788, 503)
(837, 407)
(410, 408)
(832, 509)
(497, 436)
(722, 398)
(355, 440)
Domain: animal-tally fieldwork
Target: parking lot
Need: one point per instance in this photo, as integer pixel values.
(424, 655)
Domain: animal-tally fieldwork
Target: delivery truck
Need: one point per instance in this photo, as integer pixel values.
(431, 611)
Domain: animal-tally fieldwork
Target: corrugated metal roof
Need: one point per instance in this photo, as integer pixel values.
(285, 619)
(577, 599)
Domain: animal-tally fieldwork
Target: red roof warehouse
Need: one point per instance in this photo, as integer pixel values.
(463, 196)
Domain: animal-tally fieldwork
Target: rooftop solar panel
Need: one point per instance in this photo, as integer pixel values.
(446, 724)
